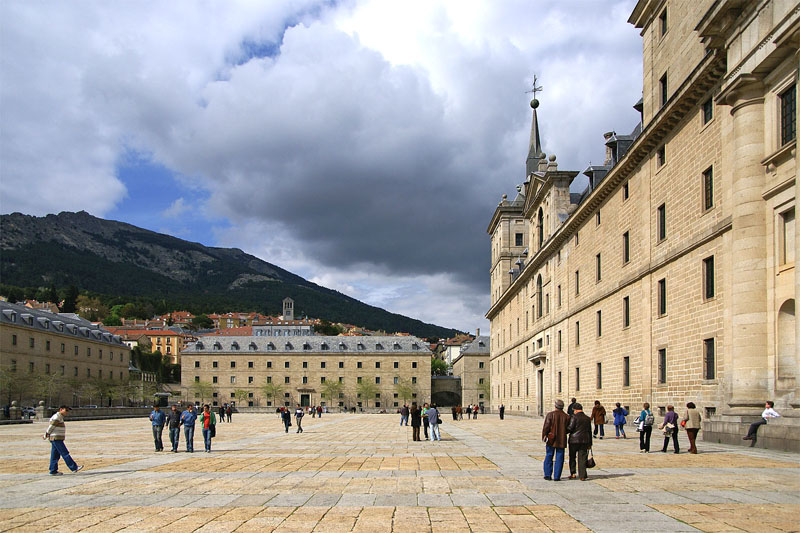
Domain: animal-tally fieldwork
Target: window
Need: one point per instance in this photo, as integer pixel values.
(396, 380)
(250, 379)
(709, 363)
(661, 156)
(708, 277)
(359, 364)
(481, 365)
(788, 117)
(786, 237)
(269, 364)
(577, 378)
(214, 364)
(413, 380)
(322, 364)
(626, 371)
(197, 364)
(559, 382)
(662, 365)
(88, 350)
(305, 379)
(358, 379)
(233, 364)
(708, 188)
(662, 22)
(31, 343)
(661, 219)
(250, 364)
(558, 295)
(599, 323)
(597, 218)
(377, 380)
(396, 364)
(708, 111)
(576, 239)
(63, 370)
(286, 364)
(577, 282)
(63, 347)
(233, 380)
(577, 333)
(625, 191)
(480, 381)
(413, 364)
(662, 297)
(626, 247)
(559, 340)
(75, 371)
(269, 379)
(76, 350)
(47, 347)
(518, 239)
(377, 364)
(599, 376)
(13, 340)
(626, 312)
(286, 380)
(214, 379)
(599, 272)
(662, 83)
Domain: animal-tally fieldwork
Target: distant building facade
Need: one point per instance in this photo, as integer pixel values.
(300, 366)
(472, 366)
(671, 277)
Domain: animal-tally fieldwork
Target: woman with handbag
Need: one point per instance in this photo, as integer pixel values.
(670, 427)
(691, 422)
(619, 420)
(645, 428)
(209, 425)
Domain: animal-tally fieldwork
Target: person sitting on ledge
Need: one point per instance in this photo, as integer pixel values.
(769, 412)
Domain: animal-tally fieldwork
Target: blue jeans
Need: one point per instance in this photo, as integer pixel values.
(403, 419)
(601, 427)
(157, 437)
(207, 438)
(188, 432)
(435, 434)
(58, 450)
(620, 429)
(174, 437)
(548, 462)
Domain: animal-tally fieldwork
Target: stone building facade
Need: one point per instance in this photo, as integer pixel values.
(670, 278)
(472, 366)
(43, 343)
(300, 367)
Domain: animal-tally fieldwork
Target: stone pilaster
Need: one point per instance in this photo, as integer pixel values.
(749, 377)
(795, 402)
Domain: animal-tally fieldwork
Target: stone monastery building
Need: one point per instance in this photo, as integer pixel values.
(670, 278)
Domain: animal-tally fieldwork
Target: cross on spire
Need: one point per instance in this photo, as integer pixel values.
(535, 88)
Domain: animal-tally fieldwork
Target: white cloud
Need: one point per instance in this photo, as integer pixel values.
(176, 209)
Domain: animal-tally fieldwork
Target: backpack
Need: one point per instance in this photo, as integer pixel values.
(649, 419)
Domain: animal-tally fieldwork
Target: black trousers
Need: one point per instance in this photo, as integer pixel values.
(753, 431)
(644, 438)
(414, 432)
(578, 453)
(674, 441)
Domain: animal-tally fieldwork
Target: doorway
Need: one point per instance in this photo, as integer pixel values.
(540, 392)
(305, 400)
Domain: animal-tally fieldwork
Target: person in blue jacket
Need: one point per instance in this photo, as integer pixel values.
(619, 420)
(158, 418)
(188, 418)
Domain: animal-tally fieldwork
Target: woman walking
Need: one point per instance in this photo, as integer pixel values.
(670, 427)
(619, 420)
(209, 424)
(646, 419)
(599, 418)
(691, 422)
(286, 418)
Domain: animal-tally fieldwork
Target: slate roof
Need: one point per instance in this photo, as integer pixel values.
(307, 344)
(480, 346)
(62, 324)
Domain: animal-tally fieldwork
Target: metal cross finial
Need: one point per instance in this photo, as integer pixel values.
(535, 88)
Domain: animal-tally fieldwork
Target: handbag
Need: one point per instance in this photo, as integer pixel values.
(213, 428)
(683, 423)
(590, 463)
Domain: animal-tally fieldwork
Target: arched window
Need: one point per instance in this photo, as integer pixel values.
(539, 296)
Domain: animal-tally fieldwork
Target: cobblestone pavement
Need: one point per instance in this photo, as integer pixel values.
(364, 473)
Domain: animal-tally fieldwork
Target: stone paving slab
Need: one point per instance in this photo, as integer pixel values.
(343, 474)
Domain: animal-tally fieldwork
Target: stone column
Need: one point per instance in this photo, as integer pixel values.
(795, 402)
(748, 378)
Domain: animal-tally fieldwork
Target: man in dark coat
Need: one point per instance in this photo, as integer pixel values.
(580, 441)
(502, 411)
(571, 406)
(416, 420)
(554, 434)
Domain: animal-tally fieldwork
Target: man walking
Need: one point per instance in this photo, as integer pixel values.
(229, 412)
(158, 419)
(433, 422)
(571, 406)
(188, 418)
(404, 415)
(580, 441)
(174, 425)
(502, 411)
(554, 434)
(56, 433)
(222, 413)
(286, 418)
(298, 415)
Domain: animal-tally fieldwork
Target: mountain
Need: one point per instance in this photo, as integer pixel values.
(115, 258)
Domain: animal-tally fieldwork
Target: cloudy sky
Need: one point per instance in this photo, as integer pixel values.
(360, 144)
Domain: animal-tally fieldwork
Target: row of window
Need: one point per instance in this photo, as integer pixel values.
(287, 379)
(217, 346)
(62, 370)
(322, 364)
(63, 348)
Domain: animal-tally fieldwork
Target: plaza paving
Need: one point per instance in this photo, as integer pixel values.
(364, 473)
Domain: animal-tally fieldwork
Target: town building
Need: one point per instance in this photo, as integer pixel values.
(279, 327)
(670, 278)
(166, 341)
(43, 343)
(472, 366)
(295, 370)
(453, 346)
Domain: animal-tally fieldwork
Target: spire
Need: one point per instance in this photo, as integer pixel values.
(535, 146)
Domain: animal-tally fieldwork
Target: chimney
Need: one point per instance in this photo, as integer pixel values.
(609, 153)
(478, 332)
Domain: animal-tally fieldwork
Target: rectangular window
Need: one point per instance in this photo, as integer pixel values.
(577, 378)
(708, 277)
(559, 382)
(305, 364)
(662, 365)
(250, 364)
(413, 364)
(47, 346)
(577, 282)
(88, 352)
(786, 237)
(599, 323)
(75, 373)
(559, 340)
(626, 312)
(662, 83)
(662, 297)
(708, 188)
(626, 371)
(214, 379)
(577, 333)
(233, 364)
(250, 379)
(662, 22)
(13, 340)
(626, 247)
(599, 376)
(396, 364)
(788, 115)
(597, 218)
(577, 241)
(377, 380)
(197, 364)
(481, 365)
(31, 342)
(305, 379)
(286, 380)
(359, 364)
(63, 347)
(661, 219)
(358, 379)
(518, 239)
(286, 364)
(63, 370)
(378, 363)
(598, 268)
(341, 364)
(233, 380)
(414, 381)
(269, 379)
(708, 111)
(214, 364)
(558, 295)
(661, 156)
(269, 364)
(709, 361)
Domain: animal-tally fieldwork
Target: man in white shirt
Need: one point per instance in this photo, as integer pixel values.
(769, 412)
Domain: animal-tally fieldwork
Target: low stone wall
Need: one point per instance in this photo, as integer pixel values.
(99, 413)
(779, 434)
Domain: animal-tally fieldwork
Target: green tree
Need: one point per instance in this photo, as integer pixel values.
(202, 388)
(202, 322)
(366, 390)
(51, 295)
(331, 390)
(112, 320)
(326, 328)
(271, 391)
(241, 397)
(439, 367)
(47, 386)
(405, 389)
(486, 389)
(70, 304)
